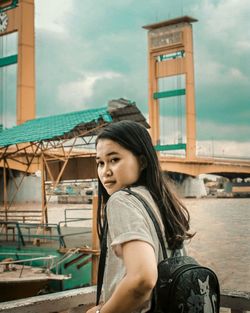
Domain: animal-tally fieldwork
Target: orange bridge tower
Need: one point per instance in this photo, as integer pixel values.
(170, 54)
(18, 16)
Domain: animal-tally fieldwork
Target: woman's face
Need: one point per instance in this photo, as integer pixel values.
(117, 167)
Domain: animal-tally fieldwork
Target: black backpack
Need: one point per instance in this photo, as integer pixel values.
(183, 286)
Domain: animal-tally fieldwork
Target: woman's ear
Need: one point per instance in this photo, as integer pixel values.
(143, 162)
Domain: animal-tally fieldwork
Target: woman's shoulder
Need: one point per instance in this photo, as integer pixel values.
(122, 205)
(122, 199)
(123, 194)
(143, 191)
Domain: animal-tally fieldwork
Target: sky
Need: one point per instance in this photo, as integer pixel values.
(91, 51)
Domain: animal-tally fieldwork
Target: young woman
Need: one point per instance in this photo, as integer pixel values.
(126, 158)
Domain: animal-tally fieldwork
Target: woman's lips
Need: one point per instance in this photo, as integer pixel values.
(109, 184)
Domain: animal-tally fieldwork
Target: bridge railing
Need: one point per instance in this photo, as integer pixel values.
(79, 300)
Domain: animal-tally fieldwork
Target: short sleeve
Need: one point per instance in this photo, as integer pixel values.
(127, 220)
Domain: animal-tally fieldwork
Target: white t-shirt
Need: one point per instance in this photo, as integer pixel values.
(128, 220)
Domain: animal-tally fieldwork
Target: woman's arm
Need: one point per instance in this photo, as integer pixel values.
(137, 285)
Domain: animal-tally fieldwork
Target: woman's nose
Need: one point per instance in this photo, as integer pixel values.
(108, 172)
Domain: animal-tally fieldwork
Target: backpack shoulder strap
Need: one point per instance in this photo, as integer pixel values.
(102, 261)
(153, 218)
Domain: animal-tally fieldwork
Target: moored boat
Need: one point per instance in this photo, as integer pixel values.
(40, 260)
(18, 280)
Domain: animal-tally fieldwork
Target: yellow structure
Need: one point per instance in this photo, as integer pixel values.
(18, 16)
(170, 53)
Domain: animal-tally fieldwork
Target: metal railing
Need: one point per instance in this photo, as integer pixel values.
(21, 226)
(6, 226)
(75, 219)
(23, 216)
(22, 232)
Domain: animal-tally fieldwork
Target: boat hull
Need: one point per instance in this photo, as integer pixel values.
(78, 266)
(17, 290)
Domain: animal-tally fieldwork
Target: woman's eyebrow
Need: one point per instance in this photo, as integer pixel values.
(112, 153)
(108, 154)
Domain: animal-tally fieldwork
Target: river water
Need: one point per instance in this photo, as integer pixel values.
(222, 239)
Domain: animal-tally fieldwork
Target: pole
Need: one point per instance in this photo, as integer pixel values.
(95, 241)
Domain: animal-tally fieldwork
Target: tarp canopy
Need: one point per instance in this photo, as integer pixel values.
(69, 125)
(52, 127)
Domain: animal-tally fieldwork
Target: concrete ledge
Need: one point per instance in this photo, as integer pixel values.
(235, 300)
(79, 300)
(56, 302)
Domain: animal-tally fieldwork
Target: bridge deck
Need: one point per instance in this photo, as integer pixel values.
(230, 168)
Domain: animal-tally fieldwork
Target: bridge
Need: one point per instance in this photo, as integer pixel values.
(222, 167)
(170, 55)
(56, 152)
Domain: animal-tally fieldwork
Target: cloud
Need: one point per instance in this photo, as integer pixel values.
(213, 72)
(224, 20)
(9, 120)
(243, 46)
(77, 93)
(222, 41)
(106, 37)
(52, 15)
(235, 73)
(216, 131)
(224, 149)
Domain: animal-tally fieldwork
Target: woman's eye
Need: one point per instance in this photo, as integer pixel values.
(114, 160)
(100, 163)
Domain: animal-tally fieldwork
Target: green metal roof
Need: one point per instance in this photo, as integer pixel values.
(52, 126)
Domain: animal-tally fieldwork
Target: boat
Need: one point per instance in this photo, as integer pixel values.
(18, 280)
(38, 259)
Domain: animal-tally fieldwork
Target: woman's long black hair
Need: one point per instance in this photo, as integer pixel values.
(135, 138)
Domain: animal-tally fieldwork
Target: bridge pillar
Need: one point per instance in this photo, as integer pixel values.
(23, 190)
(228, 187)
(192, 187)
